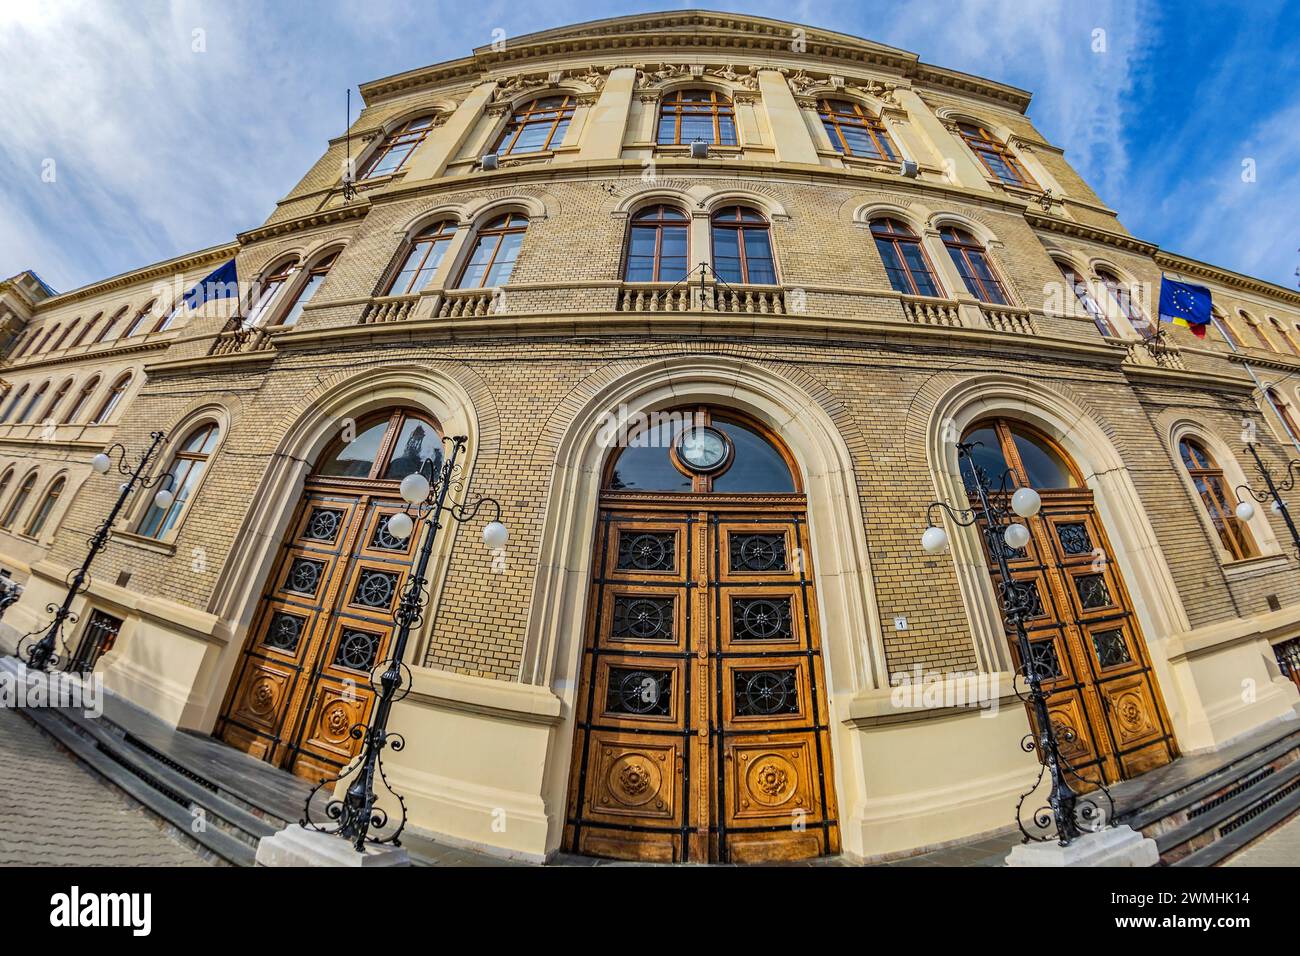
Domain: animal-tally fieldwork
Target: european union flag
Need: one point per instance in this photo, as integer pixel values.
(221, 284)
(1185, 304)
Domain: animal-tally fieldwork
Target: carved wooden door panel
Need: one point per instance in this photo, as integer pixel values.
(323, 623)
(701, 716)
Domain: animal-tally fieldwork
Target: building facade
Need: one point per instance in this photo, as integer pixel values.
(712, 298)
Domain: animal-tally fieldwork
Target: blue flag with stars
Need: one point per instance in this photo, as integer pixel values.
(220, 284)
(1185, 304)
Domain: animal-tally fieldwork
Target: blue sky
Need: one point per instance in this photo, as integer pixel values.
(158, 149)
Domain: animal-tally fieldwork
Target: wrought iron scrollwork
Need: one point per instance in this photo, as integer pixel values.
(1274, 490)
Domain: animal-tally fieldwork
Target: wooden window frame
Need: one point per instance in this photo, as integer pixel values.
(1278, 327)
(641, 220)
(429, 237)
(1122, 295)
(112, 399)
(112, 323)
(58, 397)
(1225, 329)
(982, 142)
(321, 267)
(492, 230)
(86, 330)
(397, 138)
(32, 402)
(959, 247)
(82, 400)
(857, 118)
(523, 117)
(181, 506)
(18, 501)
(721, 107)
(396, 419)
(14, 402)
(889, 235)
(1233, 534)
(718, 220)
(138, 321)
(40, 515)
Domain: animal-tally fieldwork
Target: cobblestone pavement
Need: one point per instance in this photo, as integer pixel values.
(54, 812)
(1279, 847)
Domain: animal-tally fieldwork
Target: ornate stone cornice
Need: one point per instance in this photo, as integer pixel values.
(323, 217)
(159, 270)
(1203, 270)
(1078, 230)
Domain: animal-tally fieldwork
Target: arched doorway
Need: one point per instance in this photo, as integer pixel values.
(701, 728)
(1084, 635)
(326, 614)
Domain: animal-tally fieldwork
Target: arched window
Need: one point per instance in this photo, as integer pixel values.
(113, 400)
(58, 343)
(742, 246)
(1034, 460)
(20, 499)
(905, 261)
(426, 253)
(1207, 478)
(1084, 297)
(1284, 412)
(1257, 329)
(657, 243)
(42, 513)
(138, 323)
(701, 450)
(263, 294)
(855, 132)
(1122, 295)
(24, 344)
(111, 324)
(315, 276)
(1224, 327)
(686, 116)
(973, 264)
(536, 126)
(58, 397)
(79, 403)
(187, 471)
(13, 404)
(385, 449)
(32, 402)
(495, 251)
(45, 342)
(1281, 331)
(7, 477)
(398, 147)
(86, 330)
(994, 154)
(169, 319)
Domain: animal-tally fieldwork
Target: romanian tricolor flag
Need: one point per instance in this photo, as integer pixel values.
(1185, 304)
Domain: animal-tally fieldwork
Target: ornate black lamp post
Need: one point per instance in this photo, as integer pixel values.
(1245, 510)
(996, 511)
(427, 493)
(43, 655)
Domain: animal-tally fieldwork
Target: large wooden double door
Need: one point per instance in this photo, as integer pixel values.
(701, 724)
(1083, 634)
(324, 621)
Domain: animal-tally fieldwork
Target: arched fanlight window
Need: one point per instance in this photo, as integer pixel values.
(86, 330)
(1207, 478)
(398, 147)
(20, 499)
(315, 276)
(687, 116)
(742, 246)
(1225, 329)
(386, 448)
(536, 126)
(1121, 294)
(1084, 297)
(187, 470)
(111, 324)
(263, 294)
(427, 250)
(657, 244)
(79, 403)
(495, 249)
(170, 317)
(972, 262)
(701, 450)
(855, 132)
(1280, 329)
(25, 415)
(113, 399)
(994, 155)
(1258, 329)
(139, 322)
(905, 261)
(42, 513)
(58, 397)
(1034, 461)
(14, 402)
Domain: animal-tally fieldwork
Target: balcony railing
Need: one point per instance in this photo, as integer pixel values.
(240, 340)
(922, 310)
(734, 300)
(389, 308)
(1007, 318)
